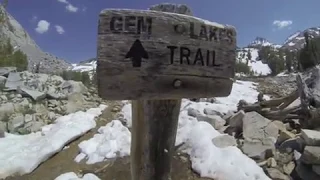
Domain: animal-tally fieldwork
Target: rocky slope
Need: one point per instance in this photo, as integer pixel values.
(20, 39)
(29, 101)
(297, 40)
(260, 42)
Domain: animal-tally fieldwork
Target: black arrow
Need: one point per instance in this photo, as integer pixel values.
(136, 53)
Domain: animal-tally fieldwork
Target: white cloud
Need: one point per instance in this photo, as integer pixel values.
(43, 26)
(59, 29)
(64, 1)
(71, 8)
(282, 24)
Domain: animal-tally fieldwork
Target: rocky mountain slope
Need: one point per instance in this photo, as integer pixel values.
(297, 40)
(260, 42)
(20, 39)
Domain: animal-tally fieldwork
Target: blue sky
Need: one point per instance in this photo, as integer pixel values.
(72, 29)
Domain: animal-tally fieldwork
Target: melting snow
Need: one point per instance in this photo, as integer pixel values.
(21, 154)
(113, 140)
(256, 65)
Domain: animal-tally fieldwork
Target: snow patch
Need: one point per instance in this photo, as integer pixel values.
(113, 141)
(21, 154)
(207, 159)
(74, 176)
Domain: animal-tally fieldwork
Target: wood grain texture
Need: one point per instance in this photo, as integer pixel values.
(118, 79)
(154, 128)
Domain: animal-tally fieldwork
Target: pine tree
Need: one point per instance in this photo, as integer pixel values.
(308, 54)
(249, 55)
(289, 59)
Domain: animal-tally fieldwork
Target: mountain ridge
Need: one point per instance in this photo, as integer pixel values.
(20, 39)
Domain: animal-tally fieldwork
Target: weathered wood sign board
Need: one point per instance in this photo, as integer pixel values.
(157, 55)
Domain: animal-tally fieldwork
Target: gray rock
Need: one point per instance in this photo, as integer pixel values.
(28, 118)
(311, 155)
(305, 172)
(173, 8)
(311, 137)
(34, 94)
(236, 121)
(258, 127)
(193, 112)
(316, 169)
(4, 71)
(216, 121)
(258, 149)
(2, 80)
(72, 87)
(275, 174)
(75, 103)
(14, 81)
(209, 111)
(34, 126)
(224, 141)
(294, 144)
(6, 110)
(3, 128)
(288, 168)
(16, 122)
(51, 115)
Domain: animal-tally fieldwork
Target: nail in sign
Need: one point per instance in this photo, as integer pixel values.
(142, 53)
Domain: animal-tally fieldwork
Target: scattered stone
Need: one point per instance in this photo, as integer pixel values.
(224, 141)
(193, 112)
(293, 144)
(216, 121)
(271, 162)
(236, 121)
(285, 135)
(311, 155)
(258, 127)
(209, 111)
(316, 169)
(275, 174)
(306, 173)
(288, 168)
(311, 137)
(16, 122)
(257, 149)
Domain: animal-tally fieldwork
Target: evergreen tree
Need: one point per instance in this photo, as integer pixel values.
(308, 54)
(249, 56)
(289, 60)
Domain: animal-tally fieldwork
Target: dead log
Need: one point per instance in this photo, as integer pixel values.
(289, 99)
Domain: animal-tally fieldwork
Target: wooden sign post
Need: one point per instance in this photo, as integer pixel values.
(156, 59)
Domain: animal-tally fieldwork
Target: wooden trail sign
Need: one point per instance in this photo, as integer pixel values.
(157, 58)
(158, 55)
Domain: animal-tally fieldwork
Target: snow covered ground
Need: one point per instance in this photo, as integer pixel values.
(21, 154)
(256, 66)
(84, 67)
(228, 163)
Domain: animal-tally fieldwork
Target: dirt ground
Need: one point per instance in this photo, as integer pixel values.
(118, 169)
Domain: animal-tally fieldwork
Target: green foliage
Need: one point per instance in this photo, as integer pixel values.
(274, 59)
(77, 76)
(249, 55)
(309, 54)
(242, 68)
(289, 60)
(9, 57)
(4, 4)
